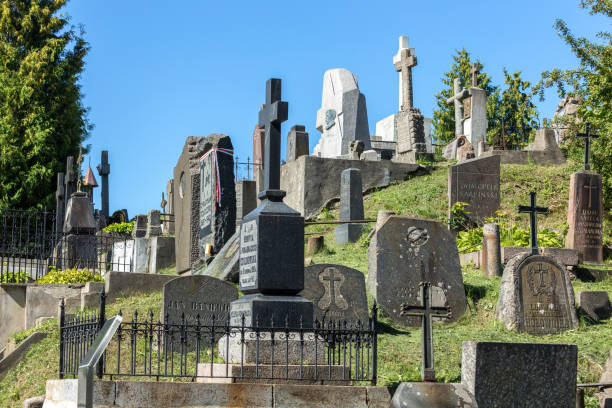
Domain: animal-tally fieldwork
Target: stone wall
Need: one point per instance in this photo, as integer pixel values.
(312, 182)
(525, 157)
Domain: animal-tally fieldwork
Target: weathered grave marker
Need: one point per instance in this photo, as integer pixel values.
(297, 143)
(475, 182)
(337, 292)
(406, 251)
(585, 209)
(351, 207)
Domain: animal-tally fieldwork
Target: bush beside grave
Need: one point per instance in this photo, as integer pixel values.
(73, 275)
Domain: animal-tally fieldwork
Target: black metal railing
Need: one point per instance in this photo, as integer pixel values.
(30, 247)
(336, 352)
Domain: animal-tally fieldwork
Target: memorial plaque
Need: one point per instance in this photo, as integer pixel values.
(248, 254)
(536, 296)
(584, 216)
(467, 108)
(475, 182)
(197, 295)
(123, 256)
(337, 292)
(207, 186)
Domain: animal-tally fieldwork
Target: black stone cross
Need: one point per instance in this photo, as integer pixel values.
(426, 311)
(272, 114)
(587, 145)
(533, 210)
(474, 71)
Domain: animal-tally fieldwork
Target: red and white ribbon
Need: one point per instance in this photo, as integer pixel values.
(214, 151)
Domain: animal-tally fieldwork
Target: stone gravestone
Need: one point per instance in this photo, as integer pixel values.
(246, 199)
(186, 195)
(337, 292)
(140, 226)
(409, 122)
(406, 251)
(225, 265)
(585, 209)
(520, 374)
(272, 240)
(475, 182)
(351, 207)
(153, 224)
(168, 221)
(197, 295)
(297, 143)
(217, 193)
(79, 249)
(123, 256)
(343, 116)
(536, 296)
(104, 171)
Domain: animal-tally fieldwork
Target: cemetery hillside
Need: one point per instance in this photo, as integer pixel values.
(270, 237)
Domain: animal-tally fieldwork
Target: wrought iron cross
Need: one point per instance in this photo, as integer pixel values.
(271, 115)
(426, 311)
(587, 145)
(475, 70)
(533, 210)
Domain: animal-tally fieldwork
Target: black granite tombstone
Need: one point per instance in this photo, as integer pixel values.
(351, 207)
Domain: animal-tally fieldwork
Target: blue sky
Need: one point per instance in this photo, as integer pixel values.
(160, 71)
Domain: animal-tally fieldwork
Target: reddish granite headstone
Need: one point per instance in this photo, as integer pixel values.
(584, 216)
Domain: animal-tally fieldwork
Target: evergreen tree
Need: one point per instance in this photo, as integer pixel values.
(515, 117)
(591, 82)
(443, 121)
(42, 119)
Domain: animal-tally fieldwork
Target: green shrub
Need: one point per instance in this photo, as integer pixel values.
(459, 216)
(12, 277)
(70, 276)
(120, 227)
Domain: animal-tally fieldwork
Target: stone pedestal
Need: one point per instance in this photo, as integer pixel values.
(272, 311)
(140, 226)
(78, 249)
(253, 351)
(252, 374)
(584, 216)
(297, 143)
(153, 224)
(491, 251)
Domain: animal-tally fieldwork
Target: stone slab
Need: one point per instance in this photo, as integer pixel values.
(427, 394)
(12, 310)
(520, 374)
(305, 396)
(129, 283)
(596, 304)
(312, 184)
(566, 256)
(161, 253)
(123, 256)
(226, 264)
(43, 300)
(475, 182)
(541, 158)
(585, 215)
(536, 296)
(263, 374)
(405, 251)
(337, 292)
(141, 255)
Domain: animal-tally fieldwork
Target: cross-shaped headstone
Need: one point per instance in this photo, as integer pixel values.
(426, 311)
(474, 71)
(587, 145)
(533, 210)
(404, 61)
(271, 115)
(163, 203)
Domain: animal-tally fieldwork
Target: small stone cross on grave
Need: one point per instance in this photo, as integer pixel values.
(426, 311)
(474, 71)
(587, 145)
(404, 61)
(272, 114)
(533, 210)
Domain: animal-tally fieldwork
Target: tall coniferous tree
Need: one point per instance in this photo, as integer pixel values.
(42, 118)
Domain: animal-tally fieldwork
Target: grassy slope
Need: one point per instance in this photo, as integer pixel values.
(399, 347)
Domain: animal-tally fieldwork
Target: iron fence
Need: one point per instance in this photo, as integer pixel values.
(30, 247)
(335, 352)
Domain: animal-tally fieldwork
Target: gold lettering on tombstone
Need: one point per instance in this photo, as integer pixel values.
(544, 298)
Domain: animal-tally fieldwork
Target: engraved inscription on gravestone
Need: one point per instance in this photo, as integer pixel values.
(206, 195)
(543, 298)
(585, 215)
(467, 108)
(248, 254)
(123, 256)
(239, 310)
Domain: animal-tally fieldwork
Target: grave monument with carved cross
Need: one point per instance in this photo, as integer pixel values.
(536, 295)
(272, 240)
(585, 209)
(409, 122)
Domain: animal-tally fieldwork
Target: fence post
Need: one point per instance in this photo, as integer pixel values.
(374, 323)
(101, 320)
(62, 322)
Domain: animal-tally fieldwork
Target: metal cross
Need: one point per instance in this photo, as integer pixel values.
(587, 145)
(426, 311)
(271, 115)
(475, 70)
(533, 210)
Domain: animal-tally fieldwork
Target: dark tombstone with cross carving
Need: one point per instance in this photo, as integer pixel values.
(406, 251)
(272, 240)
(536, 295)
(585, 209)
(337, 292)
